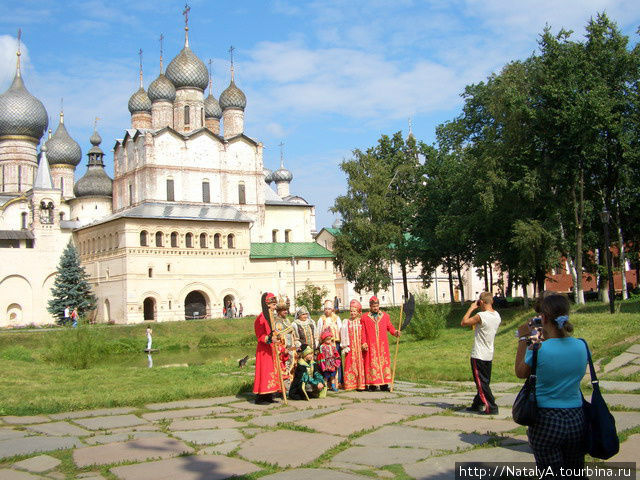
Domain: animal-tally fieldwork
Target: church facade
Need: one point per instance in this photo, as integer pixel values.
(188, 226)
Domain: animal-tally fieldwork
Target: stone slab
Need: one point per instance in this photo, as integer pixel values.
(506, 399)
(628, 400)
(505, 386)
(629, 451)
(35, 444)
(351, 420)
(634, 349)
(437, 402)
(313, 473)
(121, 437)
(469, 425)
(421, 390)
(101, 412)
(364, 396)
(401, 436)
(184, 413)
(283, 448)
(6, 474)
(273, 420)
(628, 370)
(220, 449)
(131, 451)
(147, 427)
(381, 456)
(442, 468)
(9, 433)
(206, 423)
(192, 403)
(626, 420)
(193, 467)
(620, 361)
(252, 406)
(402, 409)
(59, 429)
(504, 413)
(39, 464)
(210, 437)
(26, 420)
(109, 422)
(620, 386)
(332, 401)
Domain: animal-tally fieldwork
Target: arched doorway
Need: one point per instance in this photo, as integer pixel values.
(195, 305)
(230, 307)
(149, 308)
(106, 311)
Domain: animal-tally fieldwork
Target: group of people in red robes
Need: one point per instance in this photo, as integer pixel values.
(364, 346)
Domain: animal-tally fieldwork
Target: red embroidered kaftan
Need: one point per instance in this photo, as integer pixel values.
(377, 363)
(351, 337)
(266, 377)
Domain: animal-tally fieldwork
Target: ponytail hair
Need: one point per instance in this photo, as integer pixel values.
(556, 309)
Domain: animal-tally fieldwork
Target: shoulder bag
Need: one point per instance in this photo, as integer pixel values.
(525, 406)
(601, 437)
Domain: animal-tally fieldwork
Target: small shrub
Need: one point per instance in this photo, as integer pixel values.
(429, 319)
(208, 341)
(78, 348)
(17, 352)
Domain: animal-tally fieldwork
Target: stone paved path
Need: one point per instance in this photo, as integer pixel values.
(416, 431)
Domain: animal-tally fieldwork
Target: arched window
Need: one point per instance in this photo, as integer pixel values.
(46, 212)
(188, 240)
(174, 239)
(217, 241)
(24, 220)
(202, 116)
(203, 240)
(187, 120)
(158, 239)
(144, 238)
(242, 197)
(150, 272)
(274, 236)
(61, 215)
(231, 241)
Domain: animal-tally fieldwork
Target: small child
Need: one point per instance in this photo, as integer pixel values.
(329, 359)
(307, 375)
(149, 331)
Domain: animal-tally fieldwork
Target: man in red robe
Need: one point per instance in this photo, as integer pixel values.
(266, 381)
(377, 362)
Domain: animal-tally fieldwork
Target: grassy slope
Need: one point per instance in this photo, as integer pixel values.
(30, 384)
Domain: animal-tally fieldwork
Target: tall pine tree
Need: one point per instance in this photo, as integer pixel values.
(71, 287)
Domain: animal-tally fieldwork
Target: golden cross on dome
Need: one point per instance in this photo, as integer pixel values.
(18, 53)
(186, 11)
(231, 49)
(161, 38)
(210, 78)
(140, 54)
(95, 123)
(281, 145)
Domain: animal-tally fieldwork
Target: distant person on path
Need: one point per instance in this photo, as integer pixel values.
(74, 318)
(485, 325)
(149, 332)
(266, 381)
(557, 438)
(352, 347)
(66, 318)
(377, 361)
(336, 304)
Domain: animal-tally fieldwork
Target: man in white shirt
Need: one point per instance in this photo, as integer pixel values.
(485, 325)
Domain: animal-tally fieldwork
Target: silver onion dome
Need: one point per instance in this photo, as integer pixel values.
(267, 175)
(233, 97)
(282, 175)
(61, 148)
(162, 89)
(212, 107)
(95, 182)
(139, 102)
(187, 70)
(21, 113)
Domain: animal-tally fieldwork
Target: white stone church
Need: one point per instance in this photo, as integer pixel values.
(189, 223)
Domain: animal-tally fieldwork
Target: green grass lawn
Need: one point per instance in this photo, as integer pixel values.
(38, 377)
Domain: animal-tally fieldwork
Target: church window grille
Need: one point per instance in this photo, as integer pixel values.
(287, 236)
(143, 238)
(274, 236)
(203, 240)
(242, 197)
(170, 192)
(24, 220)
(187, 120)
(188, 240)
(174, 239)
(158, 239)
(217, 241)
(231, 241)
(206, 192)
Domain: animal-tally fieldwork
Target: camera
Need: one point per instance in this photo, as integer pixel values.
(536, 322)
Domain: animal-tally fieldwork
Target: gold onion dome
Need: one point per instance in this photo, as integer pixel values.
(233, 97)
(162, 89)
(21, 113)
(61, 148)
(139, 102)
(186, 70)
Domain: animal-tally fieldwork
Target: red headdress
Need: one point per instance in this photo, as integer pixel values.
(326, 333)
(373, 299)
(357, 304)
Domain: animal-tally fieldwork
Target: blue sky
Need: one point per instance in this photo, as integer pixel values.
(324, 77)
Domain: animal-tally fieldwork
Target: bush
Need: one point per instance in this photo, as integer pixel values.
(18, 352)
(428, 319)
(208, 341)
(311, 296)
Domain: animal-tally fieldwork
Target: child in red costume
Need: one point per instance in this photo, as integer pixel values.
(329, 359)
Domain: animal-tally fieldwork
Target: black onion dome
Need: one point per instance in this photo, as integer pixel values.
(233, 97)
(21, 113)
(62, 149)
(212, 107)
(162, 89)
(139, 102)
(282, 175)
(94, 183)
(187, 70)
(267, 175)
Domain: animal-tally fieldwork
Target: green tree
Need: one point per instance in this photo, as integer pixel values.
(311, 296)
(71, 287)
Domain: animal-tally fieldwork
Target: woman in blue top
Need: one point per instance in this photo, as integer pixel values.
(557, 438)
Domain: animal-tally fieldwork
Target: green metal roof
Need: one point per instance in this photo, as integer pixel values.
(333, 231)
(288, 250)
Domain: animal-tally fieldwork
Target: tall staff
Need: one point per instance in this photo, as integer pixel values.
(268, 313)
(408, 308)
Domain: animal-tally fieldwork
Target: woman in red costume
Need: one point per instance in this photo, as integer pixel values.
(377, 363)
(352, 346)
(266, 381)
